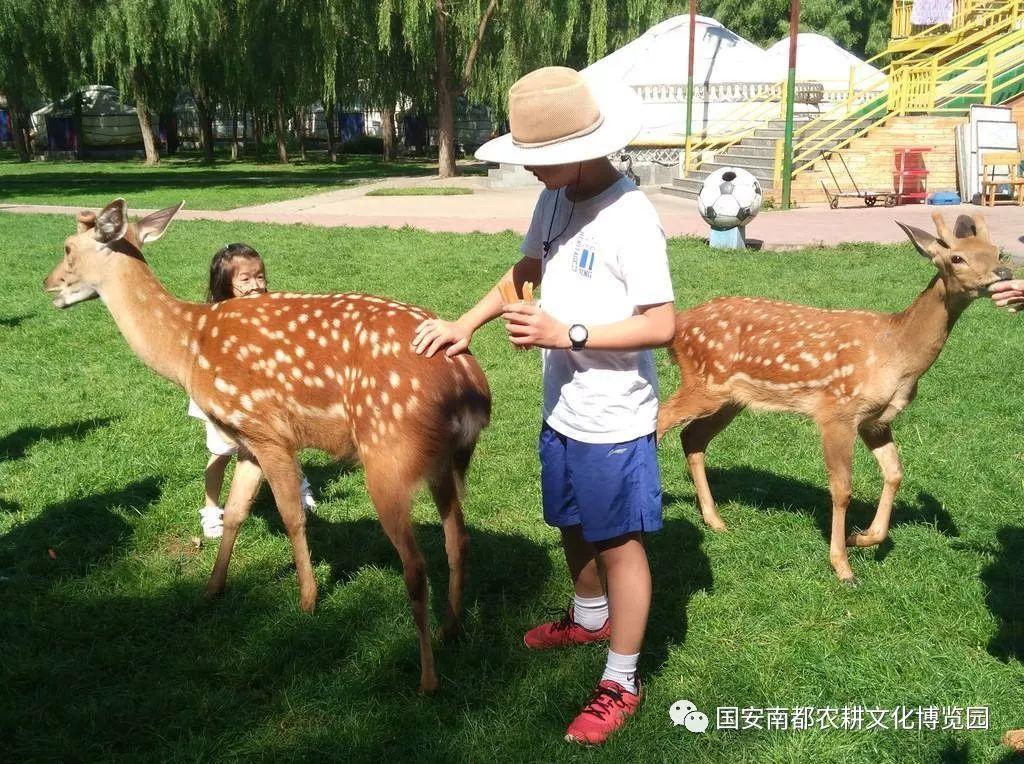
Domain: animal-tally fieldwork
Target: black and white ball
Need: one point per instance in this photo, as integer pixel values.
(730, 197)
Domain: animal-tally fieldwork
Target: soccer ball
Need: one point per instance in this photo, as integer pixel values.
(729, 197)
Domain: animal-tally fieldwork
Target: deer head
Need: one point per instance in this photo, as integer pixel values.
(967, 260)
(90, 252)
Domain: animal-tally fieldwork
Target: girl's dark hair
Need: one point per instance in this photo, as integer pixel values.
(221, 270)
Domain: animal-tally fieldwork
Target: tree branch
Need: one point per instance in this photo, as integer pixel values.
(467, 70)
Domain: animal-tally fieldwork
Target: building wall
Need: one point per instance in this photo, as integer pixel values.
(870, 158)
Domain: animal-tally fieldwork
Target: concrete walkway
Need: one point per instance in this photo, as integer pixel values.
(489, 210)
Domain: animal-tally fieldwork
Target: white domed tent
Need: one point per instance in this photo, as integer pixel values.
(727, 70)
(106, 121)
(819, 59)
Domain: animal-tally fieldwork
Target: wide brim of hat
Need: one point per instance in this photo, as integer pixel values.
(620, 106)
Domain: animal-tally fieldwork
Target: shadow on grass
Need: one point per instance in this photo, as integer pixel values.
(16, 444)
(90, 675)
(185, 175)
(679, 568)
(79, 533)
(1004, 578)
(757, 488)
(13, 322)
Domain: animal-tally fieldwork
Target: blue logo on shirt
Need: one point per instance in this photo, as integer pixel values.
(583, 262)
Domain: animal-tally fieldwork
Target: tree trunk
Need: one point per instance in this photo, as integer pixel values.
(148, 139)
(206, 126)
(300, 132)
(279, 128)
(257, 134)
(445, 100)
(17, 113)
(387, 129)
(234, 135)
(332, 150)
(76, 118)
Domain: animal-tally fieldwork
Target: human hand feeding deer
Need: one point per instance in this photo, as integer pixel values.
(850, 371)
(279, 372)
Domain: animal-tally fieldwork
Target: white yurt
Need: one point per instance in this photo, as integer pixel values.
(819, 59)
(106, 122)
(728, 70)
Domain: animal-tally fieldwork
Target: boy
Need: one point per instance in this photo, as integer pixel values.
(596, 245)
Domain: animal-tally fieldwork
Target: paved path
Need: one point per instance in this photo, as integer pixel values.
(488, 210)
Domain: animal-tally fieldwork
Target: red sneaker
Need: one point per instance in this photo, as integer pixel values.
(564, 632)
(607, 710)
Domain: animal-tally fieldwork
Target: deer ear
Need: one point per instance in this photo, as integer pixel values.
(964, 227)
(926, 244)
(86, 220)
(152, 226)
(112, 222)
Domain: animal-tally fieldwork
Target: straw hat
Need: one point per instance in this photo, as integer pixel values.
(559, 116)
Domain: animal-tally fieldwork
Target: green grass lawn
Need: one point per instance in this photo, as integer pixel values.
(108, 651)
(222, 186)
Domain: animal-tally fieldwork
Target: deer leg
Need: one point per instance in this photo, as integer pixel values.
(392, 500)
(837, 439)
(884, 450)
(244, 486)
(695, 438)
(456, 544)
(282, 473)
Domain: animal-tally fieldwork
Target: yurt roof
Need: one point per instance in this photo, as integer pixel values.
(819, 59)
(659, 56)
(97, 100)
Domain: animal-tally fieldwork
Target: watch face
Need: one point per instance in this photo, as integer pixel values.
(578, 333)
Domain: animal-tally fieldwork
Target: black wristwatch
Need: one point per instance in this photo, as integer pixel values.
(578, 336)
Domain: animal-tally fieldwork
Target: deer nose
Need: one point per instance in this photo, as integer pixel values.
(1004, 273)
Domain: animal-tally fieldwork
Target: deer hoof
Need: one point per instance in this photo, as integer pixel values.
(716, 524)
(851, 582)
(449, 631)
(428, 685)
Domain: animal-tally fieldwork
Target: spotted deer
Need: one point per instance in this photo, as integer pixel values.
(851, 371)
(280, 372)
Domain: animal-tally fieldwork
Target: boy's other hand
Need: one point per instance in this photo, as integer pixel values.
(529, 326)
(434, 333)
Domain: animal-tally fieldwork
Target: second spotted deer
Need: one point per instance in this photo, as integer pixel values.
(850, 371)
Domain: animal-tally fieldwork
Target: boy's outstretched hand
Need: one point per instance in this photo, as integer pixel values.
(529, 326)
(434, 333)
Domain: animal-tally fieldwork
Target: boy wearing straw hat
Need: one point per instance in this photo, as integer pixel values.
(596, 245)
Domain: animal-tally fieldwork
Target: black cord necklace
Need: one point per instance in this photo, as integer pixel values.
(551, 240)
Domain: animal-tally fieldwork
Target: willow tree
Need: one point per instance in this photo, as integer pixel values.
(478, 48)
(291, 54)
(130, 47)
(26, 44)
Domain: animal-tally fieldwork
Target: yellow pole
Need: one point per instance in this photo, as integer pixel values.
(933, 86)
(849, 92)
(990, 68)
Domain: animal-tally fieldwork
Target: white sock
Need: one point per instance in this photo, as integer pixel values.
(590, 612)
(622, 669)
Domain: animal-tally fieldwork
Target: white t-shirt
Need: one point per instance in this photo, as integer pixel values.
(608, 261)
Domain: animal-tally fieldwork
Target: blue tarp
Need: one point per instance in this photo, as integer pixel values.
(350, 125)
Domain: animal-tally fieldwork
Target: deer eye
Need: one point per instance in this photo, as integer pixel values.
(957, 260)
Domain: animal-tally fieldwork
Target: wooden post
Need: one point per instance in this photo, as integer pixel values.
(689, 86)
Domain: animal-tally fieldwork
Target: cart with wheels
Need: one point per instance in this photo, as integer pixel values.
(871, 198)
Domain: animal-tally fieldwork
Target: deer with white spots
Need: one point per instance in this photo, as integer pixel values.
(850, 371)
(280, 372)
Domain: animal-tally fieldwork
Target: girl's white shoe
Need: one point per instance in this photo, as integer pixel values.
(308, 502)
(212, 520)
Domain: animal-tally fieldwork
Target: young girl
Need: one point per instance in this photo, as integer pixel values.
(237, 270)
(597, 246)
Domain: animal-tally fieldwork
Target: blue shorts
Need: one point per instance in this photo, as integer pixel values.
(610, 489)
